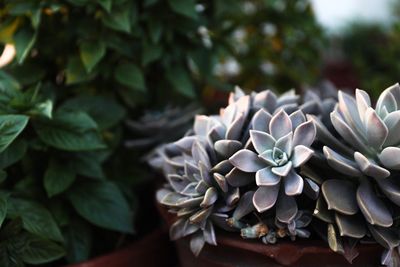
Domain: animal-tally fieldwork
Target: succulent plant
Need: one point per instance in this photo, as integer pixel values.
(367, 170)
(244, 170)
(149, 130)
(320, 101)
(208, 180)
(281, 143)
(198, 198)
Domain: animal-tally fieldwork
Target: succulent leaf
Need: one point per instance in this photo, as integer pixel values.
(280, 125)
(390, 157)
(265, 177)
(301, 155)
(265, 197)
(351, 226)
(282, 170)
(304, 134)
(293, 184)
(286, 208)
(340, 163)
(334, 240)
(369, 167)
(391, 188)
(347, 202)
(238, 178)
(376, 129)
(262, 141)
(246, 160)
(226, 148)
(384, 236)
(197, 243)
(261, 120)
(373, 208)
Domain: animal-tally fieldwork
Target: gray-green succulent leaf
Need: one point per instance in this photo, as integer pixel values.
(278, 152)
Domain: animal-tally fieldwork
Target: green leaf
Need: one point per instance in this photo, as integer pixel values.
(148, 3)
(36, 15)
(58, 178)
(91, 53)
(13, 153)
(102, 204)
(28, 73)
(130, 75)
(24, 40)
(44, 109)
(79, 241)
(39, 251)
(8, 84)
(35, 218)
(10, 127)
(87, 164)
(106, 4)
(78, 2)
(8, 27)
(3, 206)
(73, 131)
(3, 176)
(76, 72)
(104, 110)
(184, 7)
(180, 81)
(155, 29)
(118, 20)
(151, 53)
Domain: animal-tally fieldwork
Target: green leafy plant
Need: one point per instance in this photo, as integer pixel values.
(53, 188)
(272, 43)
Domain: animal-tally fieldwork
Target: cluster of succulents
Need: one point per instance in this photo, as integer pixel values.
(271, 167)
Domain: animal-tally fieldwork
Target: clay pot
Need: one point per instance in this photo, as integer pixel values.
(235, 251)
(154, 250)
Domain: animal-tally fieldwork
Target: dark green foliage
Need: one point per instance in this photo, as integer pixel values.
(373, 63)
(52, 181)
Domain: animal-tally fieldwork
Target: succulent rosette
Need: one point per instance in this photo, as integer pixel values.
(367, 170)
(281, 145)
(205, 188)
(198, 198)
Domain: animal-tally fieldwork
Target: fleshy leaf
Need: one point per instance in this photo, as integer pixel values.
(301, 155)
(293, 184)
(286, 208)
(261, 141)
(369, 167)
(265, 177)
(226, 148)
(247, 161)
(390, 157)
(347, 203)
(260, 121)
(265, 197)
(282, 170)
(340, 163)
(373, 208)
(280, 125)
(375, 128)
(351, 226)
(304, 134)
(238, 178)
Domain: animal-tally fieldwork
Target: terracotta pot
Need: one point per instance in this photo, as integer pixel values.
(235, 251)
(154, 250)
